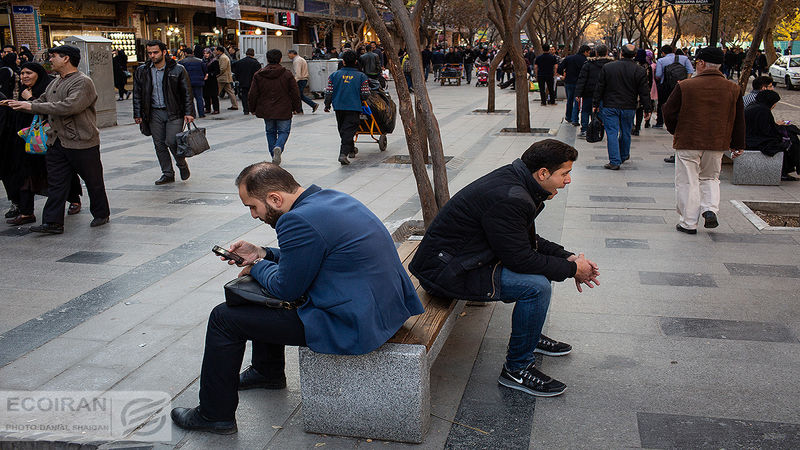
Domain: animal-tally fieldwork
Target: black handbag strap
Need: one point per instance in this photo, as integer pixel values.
(188, 126)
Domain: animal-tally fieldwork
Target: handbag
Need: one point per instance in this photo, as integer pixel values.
(246, 290)
(191, 141)
(35, 136)
(595, 131)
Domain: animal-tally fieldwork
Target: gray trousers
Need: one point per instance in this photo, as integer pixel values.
(164, 131)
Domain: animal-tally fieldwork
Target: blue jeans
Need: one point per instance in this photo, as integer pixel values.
(618, 124)
(572, 113)
(197, 91)
(277, 133)
(409, 81)
(586, 111)
(301, 84)
(531, 295)
(468, 72)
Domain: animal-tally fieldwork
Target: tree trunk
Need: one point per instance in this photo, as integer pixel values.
(427, 198)
(769, 44)
(520, 86)
(496, 61)
(428, 119)
(758, 36)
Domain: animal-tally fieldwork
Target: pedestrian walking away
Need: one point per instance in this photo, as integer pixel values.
(119, 63)
(670, 69)
(245, 69)
(571, 69)
(273, 96)
(482, 246)
(300, 70)
(587, 81)
(211, 87)
(546, 66)
(345, 308)
(73, 141)
(162, 106)
(225, 77)
(705, 115)
(620, 84)
(347, 89)
(198, 72)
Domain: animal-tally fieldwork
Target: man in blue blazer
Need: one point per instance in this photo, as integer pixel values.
(336, 253)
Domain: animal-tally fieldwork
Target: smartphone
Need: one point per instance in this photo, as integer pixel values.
(219, 251)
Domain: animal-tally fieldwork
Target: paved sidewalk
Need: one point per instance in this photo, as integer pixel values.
(690, 341)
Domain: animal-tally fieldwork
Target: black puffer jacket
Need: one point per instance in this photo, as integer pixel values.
(177, 91)
(620, 84)
(484, 227)
(590, 71)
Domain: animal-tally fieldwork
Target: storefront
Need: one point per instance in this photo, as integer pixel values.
(5, 27)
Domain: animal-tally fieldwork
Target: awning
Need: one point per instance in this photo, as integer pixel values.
(267, 25)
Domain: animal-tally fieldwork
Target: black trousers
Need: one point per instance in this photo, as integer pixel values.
(62, 164)
(243, 91)
(547, 86)
(229, 329)
(26, 195)
(347, 122)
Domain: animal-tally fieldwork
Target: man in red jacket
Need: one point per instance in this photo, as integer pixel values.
(705, 115)
(273, 97)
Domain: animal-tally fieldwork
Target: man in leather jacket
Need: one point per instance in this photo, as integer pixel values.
(162, 105)
(483, 246)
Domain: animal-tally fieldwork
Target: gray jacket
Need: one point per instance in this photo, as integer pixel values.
(69, 103)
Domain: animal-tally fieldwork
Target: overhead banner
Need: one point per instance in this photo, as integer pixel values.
(228, 9)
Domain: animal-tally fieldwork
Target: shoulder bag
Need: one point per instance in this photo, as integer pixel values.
(246, 290)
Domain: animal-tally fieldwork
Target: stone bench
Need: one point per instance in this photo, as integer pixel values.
(756, 168)
(384, 394)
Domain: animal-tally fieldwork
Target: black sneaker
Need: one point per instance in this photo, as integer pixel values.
(531, 381)
(551, 347)
(48, 228)
(711, 219)
(251, 379)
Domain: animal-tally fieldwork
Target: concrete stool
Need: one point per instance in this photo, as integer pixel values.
(756, 168)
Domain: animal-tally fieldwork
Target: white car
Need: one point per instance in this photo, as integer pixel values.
(786, 70)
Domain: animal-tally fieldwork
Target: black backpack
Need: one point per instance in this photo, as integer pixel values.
(595, 130)
(673, 72)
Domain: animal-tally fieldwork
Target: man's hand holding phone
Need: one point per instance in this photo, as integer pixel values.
(248, 252)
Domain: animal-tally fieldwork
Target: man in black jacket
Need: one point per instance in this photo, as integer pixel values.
(587, 80)
(615, 96)
(571, 69)
(483, 246)
(162, 105)
(244, 69)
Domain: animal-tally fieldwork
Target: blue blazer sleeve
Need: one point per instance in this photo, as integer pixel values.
(301, 254)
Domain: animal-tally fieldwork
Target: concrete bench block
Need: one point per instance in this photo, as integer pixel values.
(754, 167)
(384, 394)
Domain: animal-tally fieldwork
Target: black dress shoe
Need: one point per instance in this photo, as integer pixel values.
(670, 159)
(191, 419)
(789, 178)
(185, 174)
(685, 230)
(251, 379)
(97, 221)
(48, 228)
(164, 180)
(711, 219)
(21, 220)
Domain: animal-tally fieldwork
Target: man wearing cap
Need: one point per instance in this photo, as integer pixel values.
(705, 115)
(73, 141)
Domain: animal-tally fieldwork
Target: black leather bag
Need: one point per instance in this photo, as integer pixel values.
(191, 141)
(245, 290)
(595, 131)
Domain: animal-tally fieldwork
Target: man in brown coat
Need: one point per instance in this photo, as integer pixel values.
(225, 77)
(705, 115)
(273, 97)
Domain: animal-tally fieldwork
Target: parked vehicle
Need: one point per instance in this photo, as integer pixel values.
(786, 70)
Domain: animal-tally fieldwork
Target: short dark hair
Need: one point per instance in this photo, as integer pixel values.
(666, 49)
(156, 42)
(250, 52)
(549, 154)
(545, 47)
(602, 50)
(292, 52)
(350, 58)
(628, 51)
(260, 179)
(762, 82)
(584, 48)
(220, 49)
(274, 56)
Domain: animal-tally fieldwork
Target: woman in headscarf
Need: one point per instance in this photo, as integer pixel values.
(210, 89)
(9, 159)
(651, 61)
(33, 169)
(120, 65)
(641, 59)
(764, 134)
(9, 72)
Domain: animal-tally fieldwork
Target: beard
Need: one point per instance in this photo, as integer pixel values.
(272, 216)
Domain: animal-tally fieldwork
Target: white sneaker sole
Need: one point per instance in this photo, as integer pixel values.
(548, 353)
(510, 384)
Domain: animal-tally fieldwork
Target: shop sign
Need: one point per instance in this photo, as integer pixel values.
(691, 2)
(22, 9)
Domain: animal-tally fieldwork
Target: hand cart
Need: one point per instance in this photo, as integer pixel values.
(369, 125)
(451, 74)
